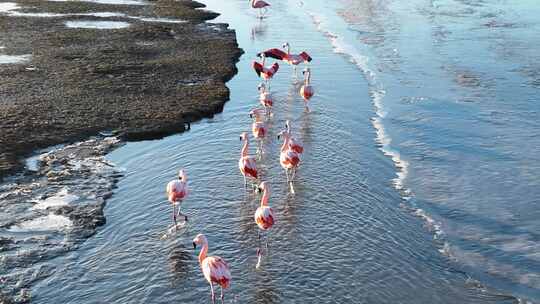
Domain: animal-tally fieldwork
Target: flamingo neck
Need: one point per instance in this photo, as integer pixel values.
(245, 148)
(285, 142)
(202, 254)
(265, 197)
(263, 61)
(307, 80)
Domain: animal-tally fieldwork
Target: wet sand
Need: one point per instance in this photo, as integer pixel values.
(163, 68)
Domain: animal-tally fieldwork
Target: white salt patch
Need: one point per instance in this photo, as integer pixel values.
(163, 20)
(7, 59)
(44, 223)
(62, 198)
(97, 24)
(118, 2)
(7, 6)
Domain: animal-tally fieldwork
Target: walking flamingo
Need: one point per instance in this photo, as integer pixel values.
(291, 59)
(264, 216)
(265, 73)
(214, 268)
(261, 5)
(294, 144)
(265, 98)
(288, 158)
(247, 164)
(177, 191)
(258, 128)
(306, 91)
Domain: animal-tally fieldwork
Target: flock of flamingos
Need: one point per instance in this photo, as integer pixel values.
(214, 268)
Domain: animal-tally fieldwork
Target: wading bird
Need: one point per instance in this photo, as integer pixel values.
(291, 59)
(265, 98)
(177, 191)
(264, 216)
(258, 128)
(306, 91)
(288, 158)
(265, 73)
(294, 144)
(214, 268)
(261, 6)
(247, 164)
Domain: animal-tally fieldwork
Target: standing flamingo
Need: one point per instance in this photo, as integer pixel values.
(291, 59)
(247, 164)
(177, 191)
(264, 216)
(214, 268)
(294, 144)
(261, 5)
(265, 98)
(258, 128)
(306, 91)
(265, 73)
(288, 158)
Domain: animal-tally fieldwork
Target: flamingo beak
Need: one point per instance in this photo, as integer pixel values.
(194, 245)
(240, 137)
(250, 115)
(279, 136)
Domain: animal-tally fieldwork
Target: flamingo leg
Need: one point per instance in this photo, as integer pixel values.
(222, 296)
(213, 296)
(180, 213)
(293, 174)
(287, 174)
(174, 214)
(295, 72)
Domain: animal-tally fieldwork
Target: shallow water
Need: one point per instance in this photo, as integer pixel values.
(353, 232)
(397, 199)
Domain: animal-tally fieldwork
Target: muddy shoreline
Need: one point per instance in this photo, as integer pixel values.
(167, 68)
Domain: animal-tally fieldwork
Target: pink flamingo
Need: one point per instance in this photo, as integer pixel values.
(306, 91)
(294, 144)
(258, 128)
(291, 59)
(247, 164)
(261, 5)
(265, 98)
(214, 268)
(265, 73)
(264, 216)
(177, 191)
(289, 159)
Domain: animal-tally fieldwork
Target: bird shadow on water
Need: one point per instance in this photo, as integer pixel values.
(258, 30)
(180, 262)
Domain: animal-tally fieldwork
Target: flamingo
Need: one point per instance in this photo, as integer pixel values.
(265, 98)
(265, 73)
(260, 4)
(264, 216)
(258, 127)
(177, 191)
(247, 164)
(306, 91)
(291, 59)
(288, 158)
(214, 268)
(294, 144)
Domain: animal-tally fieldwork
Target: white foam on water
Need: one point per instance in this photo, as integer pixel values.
(14, 59)
(62, 198)
(377, 93)
(101, 25)
(50, 222)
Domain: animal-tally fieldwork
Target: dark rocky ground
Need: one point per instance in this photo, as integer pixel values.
(144, 81)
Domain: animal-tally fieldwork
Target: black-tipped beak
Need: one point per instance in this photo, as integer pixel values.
(279, 136)
(194, 245)
(240, 137)
(259, 55)
(250, 115)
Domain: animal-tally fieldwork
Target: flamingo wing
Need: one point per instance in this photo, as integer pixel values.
(264, 217)
(274, 53)
(258, 68)
(305, 56)
(216, 270)
(250, 166)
